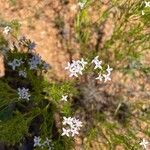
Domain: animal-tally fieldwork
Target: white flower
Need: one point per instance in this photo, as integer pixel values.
(23, 93)
(37, 141)
(106, 77)
(68, 121)
(15, 63)
(22, 73)
(95, 59)
(73, 74)
(76, 67)
(74, 131)
(144, 143)
(109, 69)
(64, 97)
(7, 29)
(47, 142)
(82, 62)
(100, 77)
(35, 61)
(65, 132)
(68, 66)
(147, 4)
(81, 4)
(97, 63)
(77, 122)
(73, 126)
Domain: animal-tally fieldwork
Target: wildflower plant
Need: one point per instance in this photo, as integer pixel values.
(26, 97)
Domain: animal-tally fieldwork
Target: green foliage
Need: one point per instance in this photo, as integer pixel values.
(15, 25)
(42, 106)
(56, 90)
(14, 129)
(13, 2)
(7, 94)
(63, 144)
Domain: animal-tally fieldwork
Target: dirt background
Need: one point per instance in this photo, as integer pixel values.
(38, 22)
(49, 23)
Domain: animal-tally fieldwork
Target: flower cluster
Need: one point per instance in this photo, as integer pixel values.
(36, 61)
(76, 67)
(20, 64)
(23, 93)
(98, 65)
(105, 76)
(33, 64)
(45, 144)
(72, 125)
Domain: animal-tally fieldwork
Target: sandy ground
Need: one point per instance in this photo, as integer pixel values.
(37, 19)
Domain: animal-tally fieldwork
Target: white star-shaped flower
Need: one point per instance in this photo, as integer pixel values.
(68, 66)
(106, 77)
(73, 74)
(74, 132)
(67, 121)
(77, 123)
(97, 62)
(147, 4)
(37, 141)
(81, 4)
(7, 29)
(109, 69)
(64, 97)
(65, 132)
(144, 143)
(98, 65)
(82, 62)
(100, 77)
(47, 142)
